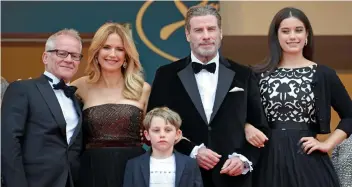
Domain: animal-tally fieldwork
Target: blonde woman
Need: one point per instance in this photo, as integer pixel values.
(114, 96)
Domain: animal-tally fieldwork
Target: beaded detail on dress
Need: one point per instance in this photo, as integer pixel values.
(113, 125)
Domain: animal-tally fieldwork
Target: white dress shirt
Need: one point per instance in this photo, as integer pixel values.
(67, 107)
(207, 83)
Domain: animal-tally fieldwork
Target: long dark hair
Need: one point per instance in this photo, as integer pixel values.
(275, 50)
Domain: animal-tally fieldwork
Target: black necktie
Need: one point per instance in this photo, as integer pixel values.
(197, 67)
(69, 91)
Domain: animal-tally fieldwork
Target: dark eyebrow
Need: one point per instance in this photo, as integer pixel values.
(300, 27)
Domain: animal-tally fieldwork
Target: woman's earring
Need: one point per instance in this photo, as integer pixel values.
(306, 42)
(124, 65)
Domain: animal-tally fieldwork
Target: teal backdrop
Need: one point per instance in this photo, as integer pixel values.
(157, 27)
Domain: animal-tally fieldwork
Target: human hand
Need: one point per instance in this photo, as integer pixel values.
(254, 136)
(233, 167)
(207, 158)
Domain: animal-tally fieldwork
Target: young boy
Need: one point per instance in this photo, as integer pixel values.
(162, 166)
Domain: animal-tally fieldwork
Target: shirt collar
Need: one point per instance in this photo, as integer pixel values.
(53, 77)
(215, 59)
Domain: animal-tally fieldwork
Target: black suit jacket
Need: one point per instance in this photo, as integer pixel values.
(137, 171)
(34, 149)
(175, 86)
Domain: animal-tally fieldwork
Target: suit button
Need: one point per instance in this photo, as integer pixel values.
(209, 128)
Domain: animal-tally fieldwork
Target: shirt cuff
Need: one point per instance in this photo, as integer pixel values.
(247, 163)
(195, 150)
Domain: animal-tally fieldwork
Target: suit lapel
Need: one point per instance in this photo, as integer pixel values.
(225, 80)
(180, 166)
(79, 115)
(188, 80)
(50, 98)
(145, 168)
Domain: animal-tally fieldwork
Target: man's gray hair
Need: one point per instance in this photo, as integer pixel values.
(201, 11)
(50, 43)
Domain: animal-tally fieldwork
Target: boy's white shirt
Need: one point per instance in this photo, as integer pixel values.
(162, 172)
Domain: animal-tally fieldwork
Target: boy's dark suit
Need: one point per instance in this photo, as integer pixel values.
(138, 171)
(175, 86)
(34, 148)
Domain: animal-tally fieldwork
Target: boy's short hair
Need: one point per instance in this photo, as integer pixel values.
(163, 112)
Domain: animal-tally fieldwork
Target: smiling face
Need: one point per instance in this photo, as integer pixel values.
(63, 68)
(292, 35)
(204, 36)
(112, 55)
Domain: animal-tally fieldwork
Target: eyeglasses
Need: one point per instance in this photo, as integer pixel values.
(64, 54)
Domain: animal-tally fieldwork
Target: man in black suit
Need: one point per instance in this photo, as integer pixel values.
(215, 97)
(41, 138)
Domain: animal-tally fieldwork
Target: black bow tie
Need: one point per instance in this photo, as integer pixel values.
(69, 91)
(197, 67)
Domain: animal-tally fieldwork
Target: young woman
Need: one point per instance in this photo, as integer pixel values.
(296, 95)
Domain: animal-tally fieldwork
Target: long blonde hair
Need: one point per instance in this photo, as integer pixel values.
(133, 73)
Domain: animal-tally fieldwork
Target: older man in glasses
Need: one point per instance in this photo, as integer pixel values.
(41, 137)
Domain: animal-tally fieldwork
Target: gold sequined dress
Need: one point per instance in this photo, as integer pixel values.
(112, 136)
